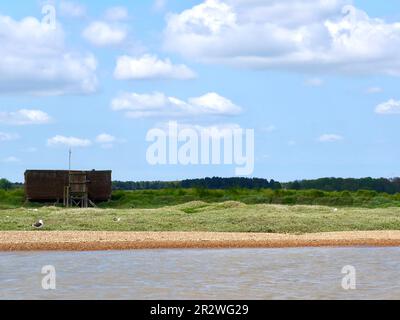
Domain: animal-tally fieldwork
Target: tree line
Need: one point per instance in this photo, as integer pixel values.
(390, 186)
(8, 185)
(206, 183)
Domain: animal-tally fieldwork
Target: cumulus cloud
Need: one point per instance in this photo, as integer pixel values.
(159, 5)
(330, 138)
(150, 67)
(299, 35)
(4, 136)
(34, 60)
(11, 159)
(159, 105)
(102, 34)
(117, 14)
(68, 141)
(269, 129)
(314, 82)
(72, 9)
(106, 140)
(215, 130)
(374, 90)
(24, 117)
(30, 150)
(389, 107)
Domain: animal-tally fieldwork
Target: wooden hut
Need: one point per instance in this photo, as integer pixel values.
(56, 185)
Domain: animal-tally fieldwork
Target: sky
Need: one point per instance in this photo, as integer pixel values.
(316, 80)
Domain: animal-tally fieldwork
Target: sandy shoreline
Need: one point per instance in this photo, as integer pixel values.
(94, 241)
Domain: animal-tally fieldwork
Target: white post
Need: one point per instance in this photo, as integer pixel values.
(70, 153)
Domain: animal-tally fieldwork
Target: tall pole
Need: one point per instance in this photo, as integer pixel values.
(69, 178)
(69, 162)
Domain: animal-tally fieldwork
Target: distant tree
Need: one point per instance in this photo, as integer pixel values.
(206, 183)
(5, 184)
(294, 185)
(390, 186)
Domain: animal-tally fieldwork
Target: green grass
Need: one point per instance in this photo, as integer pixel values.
(234, 210)
(202, 216)
(165, 197)
(170, 197)
(11, 198)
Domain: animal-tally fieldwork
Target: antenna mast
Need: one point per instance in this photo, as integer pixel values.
(69, 162)
(67, 197)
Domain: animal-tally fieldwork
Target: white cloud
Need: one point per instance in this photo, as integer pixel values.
(30, 150)
(373, 90)
(34, 60)
(105, 138)
(72, 9)
(68, 141)
(314, 82)
(330, 138)
(150, 67)
(24, 117)
(107, 141)
(4, 136)
(269, 129)
(104, 34)
(159, 5)
(299, 35)
(389, 107)
(11, 159)
(220, 129)
(159, 105)
(117, 14)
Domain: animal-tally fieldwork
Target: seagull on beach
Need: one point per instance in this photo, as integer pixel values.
(38, 225)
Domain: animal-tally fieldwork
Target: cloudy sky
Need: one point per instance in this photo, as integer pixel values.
(318, 81)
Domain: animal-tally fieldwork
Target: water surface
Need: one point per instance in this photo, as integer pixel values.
(305, 273)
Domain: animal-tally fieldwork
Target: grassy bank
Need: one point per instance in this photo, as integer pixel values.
(164, 197)
(202, 216)
(11, 198)
(169, 197)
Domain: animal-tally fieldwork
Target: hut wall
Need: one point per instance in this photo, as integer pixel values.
(99, 187)
(47, 185)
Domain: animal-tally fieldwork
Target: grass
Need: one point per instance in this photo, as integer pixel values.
(233, 210)
(11, 198)
(169, 197)
(230, 216)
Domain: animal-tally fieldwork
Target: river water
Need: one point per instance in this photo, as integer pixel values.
(305, 273)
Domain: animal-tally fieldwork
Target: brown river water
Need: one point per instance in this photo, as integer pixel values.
(298, 273)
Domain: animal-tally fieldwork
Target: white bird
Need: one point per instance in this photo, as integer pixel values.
(335, 210)
(38, 225)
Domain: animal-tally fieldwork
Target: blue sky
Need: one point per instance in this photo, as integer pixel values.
(317, 83)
